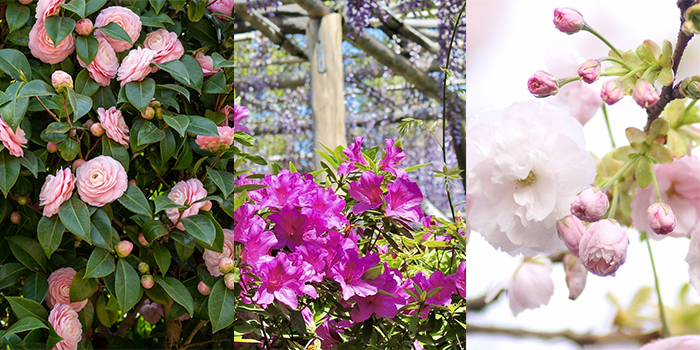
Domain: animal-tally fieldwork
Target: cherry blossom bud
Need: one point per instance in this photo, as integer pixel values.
(589, 71)
(530, 286)
(52, 147)
(150, 113)
(15, 217)
(542, 84)
(611, 92)
(124, 249)
(661, 218)
(590, 205)
(84, 26)
(77, 163)
(61, 80)
(97, 130)
(645, 94)
(229, 281)
(22, 200)
(147, 281)
(690, 87)
(568, 20)
(576, 275)
(203, 288)
(143, 241)
(225, 265)
(144, 268)
(25, 2)
(603, 247)
(570, 230)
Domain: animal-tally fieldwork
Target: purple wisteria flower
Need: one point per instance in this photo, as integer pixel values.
(367, 191)
(354, 153)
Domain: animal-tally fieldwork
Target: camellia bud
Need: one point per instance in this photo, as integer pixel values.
(25, 2)
(603, 247)
(132, 182)
(124, 249)
(97, 130)
(225, 265)
(88, 123)
(229, 281)
(147, 281)
(570, 230)
(15, 217)
(661, 218)
(150, 113)
(84, 26)
(589, 71)
(22, 200)
(611, 92)
(61, 80)
(77, 163)
(154, 104)
(159, 113)
(576, 275)
(645, 94)
(203, 288)
(52, 147)
(568, 20)
(143, 241)
(542, 84)
(590, 205)
(144, 268)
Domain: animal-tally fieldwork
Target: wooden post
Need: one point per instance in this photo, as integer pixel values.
(324, 37)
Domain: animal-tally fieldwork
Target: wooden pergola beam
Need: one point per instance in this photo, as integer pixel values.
(398, 26)
(269, 29)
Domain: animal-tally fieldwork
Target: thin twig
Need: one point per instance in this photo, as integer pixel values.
(47, 109)
(211, 341)
(196, 329)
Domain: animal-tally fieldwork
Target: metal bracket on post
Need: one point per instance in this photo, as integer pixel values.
(320, 55)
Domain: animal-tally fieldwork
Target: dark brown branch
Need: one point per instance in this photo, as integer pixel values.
(211, 341)
(173, 328)
(196, 329)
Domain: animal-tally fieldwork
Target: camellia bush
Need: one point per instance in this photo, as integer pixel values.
(116, 174)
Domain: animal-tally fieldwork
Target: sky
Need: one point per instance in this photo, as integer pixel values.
(506, 43)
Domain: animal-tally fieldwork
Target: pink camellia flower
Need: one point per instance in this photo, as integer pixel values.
(206, 62)
(529, 288)
(679, 186)
(589, 71)
(661, 218)
(135, 66)
(165, 45)
(542, 84)
(125, 18)
(46, 8)
(223, 6)
(239, 113)
(84, 26)
(187, 193)
(645, 94)
(216, 144)
(42, 47)
(568, 20)
(212, 258)
(603, 247)
(685, 342)
(570, 230)
(611, 92)
(101, 180)
(65, 322)
(105, 65)
(575, 275)
(590, 205)
(14, 141)
(56, 190)
(59, 289)
(114, 125)
(151, 312)
(61, 80)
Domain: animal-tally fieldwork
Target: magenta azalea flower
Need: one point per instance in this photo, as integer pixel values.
(403, 200)
(392, 158)
(279, 280)
(348, 272)
(367, 191)
(381, 304)
(354, 153)
(290, 227)
(240, 113)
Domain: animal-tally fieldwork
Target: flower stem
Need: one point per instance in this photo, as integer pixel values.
(665, 331)
(613, 206)
(619, 173)
(656, 183)
(607, 123)
(564, 81)
(597, 35)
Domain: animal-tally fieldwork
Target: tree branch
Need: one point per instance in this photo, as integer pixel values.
(129, 320)
(211, 341)
(196, 329)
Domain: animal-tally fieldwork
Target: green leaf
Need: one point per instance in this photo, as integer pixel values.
(58, 28)
(180, 123)
(157, 5)
(16, 15)
(75, 216)
(100, 264)
(201, 228)
(116, 151)
(9, 171)
(194, 71)
(222, 179)
(177, 70)
(219, 61)
(195, 11)
(86, 47)
(77, 7)
(36, 88)
(202, 126)
(80, 104)
(162, 256)
(85, 85)
(10, 274)
(13, 112)
(127, 286)
(104, 98)
(91, 6)
(101, 231)
(177, 88)
(68, 149)
(149, 133)
(177, 291)
(13, 62)
(82, 288)
(23, 308)
(134, 200)
(140, 93)
(35, 287)
(104, 316)
(167, 146)
(216, 84)
(184, 158)
(178, 4)
(25, 324)
(202, 30)
(221, 306)
(152, 229)
(28, 252)
(163, 202)
(114, 31)
(643, 173)
(50, 233)
(57, 128)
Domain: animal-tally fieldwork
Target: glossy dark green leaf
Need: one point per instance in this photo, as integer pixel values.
(152, 229)
(68, 149)
(82, 288)
(23, 308)
(101, 231)
(13, 112)
(202, 126)
(202, 30)
(182, 90)
(58, 28)
(177, 291)
(162, 256)
(16, 15)
(28, 252)
(104, 316)
(9, 171)
(104, 98)
(116, 151)
(157, 5)
(163, 202)
(87, 315)
(77, 7)
(216, 84)
(219, 61)
(177, 70)
(25, 324)
(75, 216)
(80, 104)
(86, 47)
(134, 200)
(84, 85)
(221, 306)
(91, 6)
(222, 179)
(140, 93)
(201, 228)
(149, 133)
(167, 146)
(127, 285)
(194, 71)
(57, 128)
(12, 62)
(179, 123)
(31, 162)
(10, 274)
(35, 287)
(36, 88)
(184, 158)
(100, 264)
(195, 11)
(114, 31)
(50, 233)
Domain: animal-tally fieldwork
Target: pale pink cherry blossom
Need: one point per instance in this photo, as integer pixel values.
(542, 84)
(525, 165)
(603, 247)
(684, 342)
(575, 275)
(661, 218)
(530, 287)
